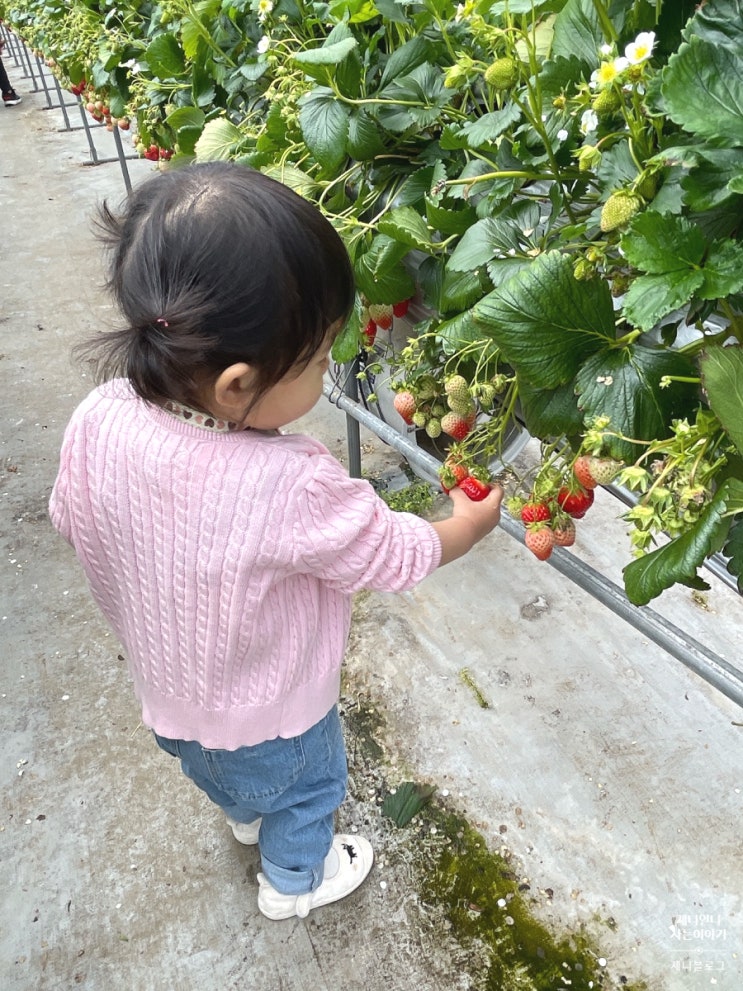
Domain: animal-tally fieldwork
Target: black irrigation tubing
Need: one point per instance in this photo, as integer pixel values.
(694, 655)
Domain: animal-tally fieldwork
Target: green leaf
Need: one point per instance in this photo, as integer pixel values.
(723, 270)
(407, 226)
(203, 87)
(578, 32)
(703, 90)
(292, 177)
(324, 122)
(185, 116)
(624, 384)
(651, 297)
(406, 58)
(379, 274)
(408, 799)
(458, 331)
(325, 54)
(346, 345)
(165, 57)
(660, 243)
(486, 239)
(460, 290)
(488, 128)
(218, 141)
(546, 322)
(678, 560)
(722, 378)
(449, 221)
(550, 412)
(192, 40)
(364, 137)
(733, 551)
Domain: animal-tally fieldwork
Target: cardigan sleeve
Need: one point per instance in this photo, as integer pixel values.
(347, 536)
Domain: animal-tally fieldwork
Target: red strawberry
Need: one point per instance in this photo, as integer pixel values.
(582, 472)
(369, 332)
(564, 532)
(404, 403)
(473, 488)
(576, 503)
(401, 308)
(535, 512)
(540, 540)
(456, 426)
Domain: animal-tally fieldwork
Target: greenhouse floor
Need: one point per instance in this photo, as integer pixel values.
(606, 773)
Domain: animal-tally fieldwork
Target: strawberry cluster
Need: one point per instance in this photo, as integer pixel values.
(98, 108)
(379, 316)
(449, 407)
(152, 152)
(549, 515)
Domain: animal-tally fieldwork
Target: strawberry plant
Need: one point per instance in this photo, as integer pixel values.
(556, 183)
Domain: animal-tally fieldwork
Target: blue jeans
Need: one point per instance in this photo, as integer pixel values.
(295, 785)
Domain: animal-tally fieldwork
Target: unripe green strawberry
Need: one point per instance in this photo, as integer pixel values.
(604, 470)
(618, 210)
(503, 73)
(433, 428)
(465, 409)
(426, 387)
(456, 386)
(420, 419)
(487, 392)
(439, 410)
(606, 102)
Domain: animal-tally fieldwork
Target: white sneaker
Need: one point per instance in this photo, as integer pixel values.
(349, 861)
(245, 832)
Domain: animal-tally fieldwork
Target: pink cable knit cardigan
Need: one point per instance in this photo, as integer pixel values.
(225, 563)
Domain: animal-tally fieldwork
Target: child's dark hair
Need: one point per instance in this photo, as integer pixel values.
(214, 264)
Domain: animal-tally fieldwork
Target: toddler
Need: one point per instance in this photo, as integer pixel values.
(223, 553)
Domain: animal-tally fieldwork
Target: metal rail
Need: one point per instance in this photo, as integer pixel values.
(694, 655)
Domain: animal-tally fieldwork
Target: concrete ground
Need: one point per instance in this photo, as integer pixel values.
(608, 772)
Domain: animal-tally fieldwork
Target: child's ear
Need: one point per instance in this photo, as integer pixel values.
(233, 387)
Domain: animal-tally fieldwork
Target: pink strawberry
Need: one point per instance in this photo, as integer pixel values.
(381, 314)
(540, 540)
(604, 470)
(404, 403)
(452, 473)
(582, 472)
(564, 532)
(456, 426)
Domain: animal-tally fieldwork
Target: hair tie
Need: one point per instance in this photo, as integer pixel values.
(162, 322)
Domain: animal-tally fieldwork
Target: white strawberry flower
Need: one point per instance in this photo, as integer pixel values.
(641, 48)
(606, 50)
(264, 44)
(562, 134)
(607, 72)
(264, 9)
(589, 121)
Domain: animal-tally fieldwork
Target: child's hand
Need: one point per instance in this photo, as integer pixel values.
(484, 513)
(469, 523)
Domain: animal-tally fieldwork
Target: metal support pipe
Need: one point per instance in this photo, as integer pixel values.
(122, 159)
(694, 655)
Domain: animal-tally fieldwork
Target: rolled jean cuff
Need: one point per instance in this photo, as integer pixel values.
(289, 882)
